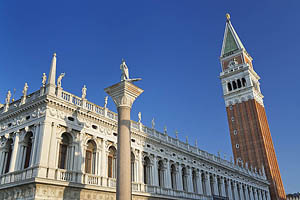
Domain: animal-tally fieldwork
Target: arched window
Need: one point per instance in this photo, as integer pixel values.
(239, 83)
(184, 179)
(26, 150)
(6, 155)
(64, 151)
(229, 87)
(244, 82)
(112, 162)
(173, 177)
(160, 169)
(194, 178)
(234, 85)
(147, 170)
(132, 167)
(90, 157)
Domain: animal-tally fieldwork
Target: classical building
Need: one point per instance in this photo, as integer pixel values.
(249, 130)
(58, 146)
(295, 196)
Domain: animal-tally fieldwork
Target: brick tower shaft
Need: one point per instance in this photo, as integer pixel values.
(250, 135)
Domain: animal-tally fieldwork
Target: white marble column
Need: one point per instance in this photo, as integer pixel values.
(251, 193)
(104, 162)
(230, 197)
(235, 190)
(2, 166)
(259, 194)
(14, 152)
(140, 178)
(255, 193)
(207, 183)
(168, 175)
(52, 152)
(44, 148)
(215, 183)
(155, 172)
(179, 180)
(223, 193)
(241, 192)
(190, 187)
(199, 183)
(246, 193)
(34, 145)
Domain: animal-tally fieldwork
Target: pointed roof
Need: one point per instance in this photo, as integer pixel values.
(231, 41)
(52, 73)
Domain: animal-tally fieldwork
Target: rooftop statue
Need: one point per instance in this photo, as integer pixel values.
(153, 123)
(125, 73)
(83, 92)
(25, 90)
(59, 79)
(140, 117)
(8, 96)
(44, 79)
(105, 101)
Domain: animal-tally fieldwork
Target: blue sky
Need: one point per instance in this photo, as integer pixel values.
(175, 47)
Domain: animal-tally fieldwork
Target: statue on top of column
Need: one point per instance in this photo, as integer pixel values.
(59, 79)
(83, 92)
(44, 79)
(165, 130)
(125, 73)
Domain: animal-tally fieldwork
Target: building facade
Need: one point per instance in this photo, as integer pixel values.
(249, 130)
(56, 145)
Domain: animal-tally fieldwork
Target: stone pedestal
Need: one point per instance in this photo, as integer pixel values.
(124, 94)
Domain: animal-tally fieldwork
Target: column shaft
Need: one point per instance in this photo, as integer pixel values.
(124, 154)
(14, 153)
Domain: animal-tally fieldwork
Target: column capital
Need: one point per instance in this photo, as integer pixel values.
(124, 93)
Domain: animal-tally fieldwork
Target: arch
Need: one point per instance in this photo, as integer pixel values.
(194, 180)
(26, 150)
(160, 170)
(64, 150)
(234, 86)
(184, 179)
(173, 177)
(132, 167)
(229, 87)
(244, 82)
(6, 153)
(90, 157)
(147, 170)
(239, 83)
(112, 162)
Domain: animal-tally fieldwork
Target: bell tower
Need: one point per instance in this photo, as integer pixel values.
(249, 130)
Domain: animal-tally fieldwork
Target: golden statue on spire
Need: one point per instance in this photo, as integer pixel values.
(228, 16)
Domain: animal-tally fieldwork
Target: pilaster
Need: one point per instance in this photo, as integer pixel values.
(14, 152)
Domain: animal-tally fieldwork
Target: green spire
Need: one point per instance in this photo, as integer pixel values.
(231, 41)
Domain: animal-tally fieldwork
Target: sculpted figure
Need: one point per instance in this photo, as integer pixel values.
(176, 134)
(44, 79)
(105, 101)
(60, 78)
(83, 92)
(153, 123)
(140, 117)
(165, 130)
(8, 96)
(125, 72)
(25, 90)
